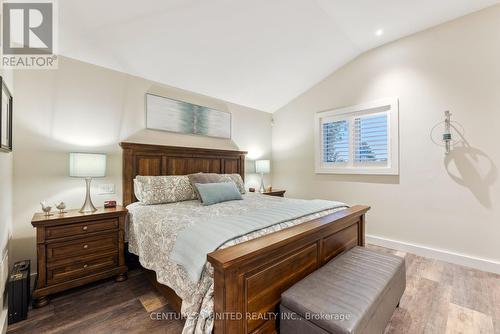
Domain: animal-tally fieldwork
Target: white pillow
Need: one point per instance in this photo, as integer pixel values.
(138, 190)
(236, 178)
(163, 189)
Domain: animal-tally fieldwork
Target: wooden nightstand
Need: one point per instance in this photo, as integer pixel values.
(277, 193)
(74, 249)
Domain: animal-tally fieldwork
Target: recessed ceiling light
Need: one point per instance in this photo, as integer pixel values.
(379, 32)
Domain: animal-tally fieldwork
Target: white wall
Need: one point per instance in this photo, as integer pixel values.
(82, 107)
(5, 210)
(456, 208)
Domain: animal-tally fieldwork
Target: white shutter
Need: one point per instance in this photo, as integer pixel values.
(336, 142)
(370, 139)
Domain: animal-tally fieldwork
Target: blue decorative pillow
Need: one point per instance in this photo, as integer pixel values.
(213, 193)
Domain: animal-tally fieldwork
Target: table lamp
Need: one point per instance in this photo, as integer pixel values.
(88, 166)
(262, 167)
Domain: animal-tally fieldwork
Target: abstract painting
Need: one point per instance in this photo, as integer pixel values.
(183, 117)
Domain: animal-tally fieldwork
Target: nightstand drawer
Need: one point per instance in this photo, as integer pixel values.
(82, 247)
(81, 268)
(81, 229)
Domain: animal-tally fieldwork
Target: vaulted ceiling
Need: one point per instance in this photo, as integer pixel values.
(257, 53)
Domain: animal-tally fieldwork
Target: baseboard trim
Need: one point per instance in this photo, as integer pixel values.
(3, 322)
(438, 254)
(4, 277)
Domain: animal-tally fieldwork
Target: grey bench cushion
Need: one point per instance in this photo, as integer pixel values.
(356, 292)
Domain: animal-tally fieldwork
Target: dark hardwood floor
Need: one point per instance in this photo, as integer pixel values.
(102, 307)
(440, 298)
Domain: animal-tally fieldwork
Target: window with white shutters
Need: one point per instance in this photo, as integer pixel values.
(358, 140)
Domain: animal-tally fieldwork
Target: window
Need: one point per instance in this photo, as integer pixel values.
(362, 139)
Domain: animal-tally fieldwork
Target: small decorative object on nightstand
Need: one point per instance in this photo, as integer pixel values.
(46, 209)
(110, 204)
(78, 248)
(275, 192)
(61, 206)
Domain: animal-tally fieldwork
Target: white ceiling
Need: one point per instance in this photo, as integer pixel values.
(258, 53)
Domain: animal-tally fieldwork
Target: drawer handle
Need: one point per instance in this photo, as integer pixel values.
(85, 228)
(85, 246)
(85, 266)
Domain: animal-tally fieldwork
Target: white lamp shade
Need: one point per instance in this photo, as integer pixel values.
(87, 165)
(262, 166)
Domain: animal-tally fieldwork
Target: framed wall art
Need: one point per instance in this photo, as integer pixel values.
(5, 118)
(182, 117)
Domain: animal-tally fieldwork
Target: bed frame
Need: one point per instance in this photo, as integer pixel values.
(249, 277)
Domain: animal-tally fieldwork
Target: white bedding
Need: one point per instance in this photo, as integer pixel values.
(152, 233)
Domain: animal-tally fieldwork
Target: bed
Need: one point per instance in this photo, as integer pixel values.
(243, 279)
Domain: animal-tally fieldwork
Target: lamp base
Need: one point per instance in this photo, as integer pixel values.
(88, 206)
(262, 187)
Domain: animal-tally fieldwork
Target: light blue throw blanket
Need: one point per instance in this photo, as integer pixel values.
(206, 235)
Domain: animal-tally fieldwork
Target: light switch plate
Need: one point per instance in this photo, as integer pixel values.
(105, 189)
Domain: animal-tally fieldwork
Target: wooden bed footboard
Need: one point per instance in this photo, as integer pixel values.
(250, 277)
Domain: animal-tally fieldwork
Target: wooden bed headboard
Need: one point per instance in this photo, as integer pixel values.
(155, 160)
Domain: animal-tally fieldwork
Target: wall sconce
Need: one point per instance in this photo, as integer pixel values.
(447, 132)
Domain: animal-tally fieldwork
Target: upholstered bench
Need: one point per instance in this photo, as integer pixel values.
(357, 292)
